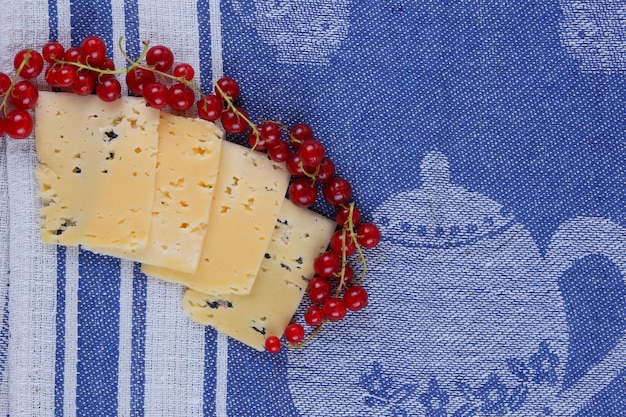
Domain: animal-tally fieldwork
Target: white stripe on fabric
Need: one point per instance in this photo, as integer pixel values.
(126, 267)
(174, 355)
(70, 370)
(32, 281)
(221, 376)
(217, 69)
(70, 358)
(217, 65)
(4, 275)
(64, 16)
(174, 348)
(32, 291)
(125, 339)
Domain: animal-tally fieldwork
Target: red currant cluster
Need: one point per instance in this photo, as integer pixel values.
(83, 70)
(333, 290)
(19, 95)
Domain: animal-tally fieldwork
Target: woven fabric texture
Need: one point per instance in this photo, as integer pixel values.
(485, 138)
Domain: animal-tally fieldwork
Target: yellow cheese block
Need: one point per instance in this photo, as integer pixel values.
(248, 194)
(187, 163)
(96, 172)
(299, 236)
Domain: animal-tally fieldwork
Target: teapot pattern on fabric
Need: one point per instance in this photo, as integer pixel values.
(594, 31)
(301, 31)
(467, 316)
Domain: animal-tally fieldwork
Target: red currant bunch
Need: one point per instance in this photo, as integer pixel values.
(18, 95)
(333, 291)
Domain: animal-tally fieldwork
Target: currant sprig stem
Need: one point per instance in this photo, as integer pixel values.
(5, 97)
(310, 337)
(231, 106)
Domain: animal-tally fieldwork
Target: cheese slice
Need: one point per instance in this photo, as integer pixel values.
(299, 236)
(187, 163)
(96, 172)
(248, 194)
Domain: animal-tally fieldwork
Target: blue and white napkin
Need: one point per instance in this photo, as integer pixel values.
(485, 138)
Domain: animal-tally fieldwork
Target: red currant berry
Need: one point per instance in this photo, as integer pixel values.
(302, 192)
(348, 275)
(19, 124)
(107, 64)
(270, 133)
(1, 126)
(160, 57)
(109, 89)
(338, 245)
(210, 107)
(337, 191)
(313, 316)
(334, 309)
(326, 171)
(72, 54)
(93, 50)
(318, 289)
(65, 75)
(24, 95)
(294, 333)
(84, 83)
(343, 213)
(137, 78)
(272, 344)
(299, 133)
(355, 298)
(228, 86)
(267, 134)
(5, 83)
(50, 75)
(233, 122)
(255, 141)
(52, 51)
(184, 71)
(156, 94)
(32, 60)
(368, 235)
(311, 153)
(327, 264)
(278, 151)
(294, 165)
(181, 97)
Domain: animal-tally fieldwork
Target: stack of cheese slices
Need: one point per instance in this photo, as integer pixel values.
(127, 180)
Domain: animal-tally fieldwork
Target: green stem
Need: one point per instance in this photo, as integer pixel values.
(3, 105)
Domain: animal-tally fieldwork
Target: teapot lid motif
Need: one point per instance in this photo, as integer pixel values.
(440, 214)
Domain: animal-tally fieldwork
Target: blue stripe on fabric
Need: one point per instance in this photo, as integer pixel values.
(257, 382)
(98, 335)
(59, 366)
(53, 20)
(140, 283)
(210, 335)
(138, 349)
(92, 18)
(133, 42)
(99, 284)
(210, 367)
(204, 37)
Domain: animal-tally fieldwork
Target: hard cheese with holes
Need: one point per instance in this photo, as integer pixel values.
(249, 192)
(299, 236)
(96, 171)
(187, 164)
